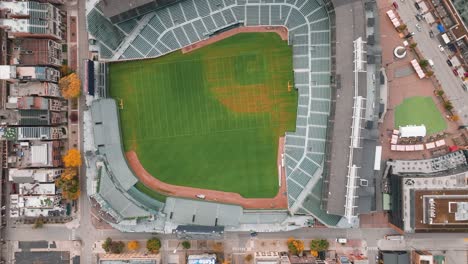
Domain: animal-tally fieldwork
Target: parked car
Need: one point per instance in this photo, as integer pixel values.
(418, 27)
(419, 17)
(431, 63)
(417, 6)
(395, 5)
(449, 62)
(441, 48)
(464, 87)
(409, 35)
(431, 34)
(455, 72)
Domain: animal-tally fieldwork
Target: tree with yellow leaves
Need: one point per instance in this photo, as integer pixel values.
(69, 174)
(133, 245)
(295, 246)
(70, 86)
(69, 183)
(72, 158)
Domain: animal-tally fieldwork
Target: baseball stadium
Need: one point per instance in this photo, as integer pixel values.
(209, 113)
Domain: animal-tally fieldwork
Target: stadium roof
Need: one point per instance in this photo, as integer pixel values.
(107, 140)
(193, 212)
(116, 199)
(123, 10)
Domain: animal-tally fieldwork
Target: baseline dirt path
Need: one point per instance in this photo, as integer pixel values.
(278, 202)
(280, 30)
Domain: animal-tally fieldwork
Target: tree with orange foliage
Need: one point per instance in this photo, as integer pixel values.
(133, 245)
(69, 174)
(295, 246)
(69, 183)
(314, 253)
(70, 86)
(72, 158)
(455, 118)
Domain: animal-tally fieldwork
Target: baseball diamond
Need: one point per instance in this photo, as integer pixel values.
(210, 118)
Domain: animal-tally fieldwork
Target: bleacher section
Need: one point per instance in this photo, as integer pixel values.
(308, 23)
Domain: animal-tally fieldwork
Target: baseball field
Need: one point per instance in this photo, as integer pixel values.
(210, 118)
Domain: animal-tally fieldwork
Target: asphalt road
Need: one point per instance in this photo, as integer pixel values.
(451, 84)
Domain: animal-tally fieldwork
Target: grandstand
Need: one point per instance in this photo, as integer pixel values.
(308, 22)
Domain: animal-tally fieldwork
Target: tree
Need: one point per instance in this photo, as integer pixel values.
(106, 244)
(72, 158)
(319, 245)
(248, 258)
(429, 73)
(69, 173)
(133, 245)
(70, 86)
(153, 245)
(295, 246)
(38, 222)
(117, 247)
(402, 27)
(448, 105)
(218, 247)
(413, 45)
(423, 63)
(186, 244)
(69, 183)
(455, 118)
(440, 93)
(65, 70)
(314, 253)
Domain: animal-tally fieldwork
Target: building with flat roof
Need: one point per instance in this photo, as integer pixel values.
(29, 73)
(395, 257)
(41, 118)
(46, 89)
(429, 195)
(429, 166)
(32, 52)
(421, 257)
(34, 206)
(32, 20)
(35, 102)
(26, 189)
(202, 259)
(32, 154)
(33, 175)
(33, 133)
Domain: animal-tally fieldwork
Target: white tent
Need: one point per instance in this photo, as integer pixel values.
(413, 131)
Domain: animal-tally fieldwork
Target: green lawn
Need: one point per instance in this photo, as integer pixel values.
(210, 118)
(419, 110)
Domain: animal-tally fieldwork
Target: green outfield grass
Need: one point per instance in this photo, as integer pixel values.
(210, 118)
(419, 110)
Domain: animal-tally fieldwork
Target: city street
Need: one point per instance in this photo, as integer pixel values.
(451, 84)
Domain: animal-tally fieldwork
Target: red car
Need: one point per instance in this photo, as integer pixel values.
(395, 5)
(455, 72)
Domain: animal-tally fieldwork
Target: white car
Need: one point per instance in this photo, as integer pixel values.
(200, 196)
(441, 48)
(418, 27)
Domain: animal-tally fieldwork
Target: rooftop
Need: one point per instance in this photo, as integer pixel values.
(34, 88)
(33, 175)
(429, 166)
(36, 52)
